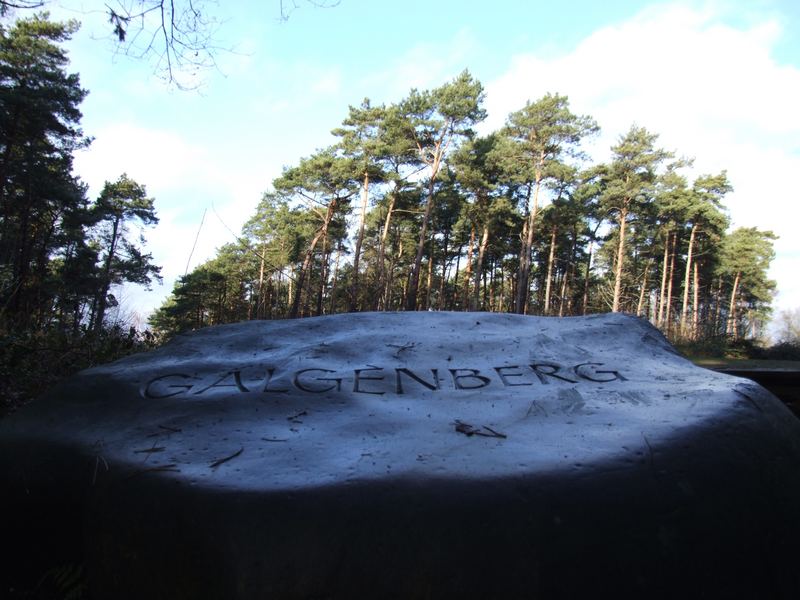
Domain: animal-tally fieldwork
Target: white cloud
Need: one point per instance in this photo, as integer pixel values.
(711, 90)
(185, 179)
(161, 160)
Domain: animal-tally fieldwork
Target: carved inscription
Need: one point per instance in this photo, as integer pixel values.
(376, 380)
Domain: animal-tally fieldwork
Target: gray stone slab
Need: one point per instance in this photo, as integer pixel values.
(413, 454)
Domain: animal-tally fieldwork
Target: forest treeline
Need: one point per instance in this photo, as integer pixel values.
(410, 209)
(61, 254)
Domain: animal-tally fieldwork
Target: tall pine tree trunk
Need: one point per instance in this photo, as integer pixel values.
(335, 280)
(380, 296)
(670, 282)
(550, 261)
(260, 293)
(354, 291)
(290, 300)
(564, 302)
(523, 277)
(323, 275)
(642, 291)
(732, 307)
(686, 281)
(564, 291)
(475, 303)
(468, 270)
(429, 281)
(663, 294)
(696, 303)
(454, 299)
(309, 255)
(588, 277)
(440, 301)
(413, 284)
(618, 267)
(102, 295)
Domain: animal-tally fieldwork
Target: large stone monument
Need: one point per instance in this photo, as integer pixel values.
(408, 455)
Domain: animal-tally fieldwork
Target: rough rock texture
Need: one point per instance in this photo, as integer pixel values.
(409, 455)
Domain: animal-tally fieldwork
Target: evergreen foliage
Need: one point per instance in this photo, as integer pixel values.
(516, 220)
(60, 254)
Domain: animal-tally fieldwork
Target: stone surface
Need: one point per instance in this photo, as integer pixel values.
(408, 455)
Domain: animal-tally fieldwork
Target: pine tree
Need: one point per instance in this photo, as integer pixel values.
(120, 205)
(437, 121)
(745, 259)
(543, 133)
(39, 131)
(629, 189)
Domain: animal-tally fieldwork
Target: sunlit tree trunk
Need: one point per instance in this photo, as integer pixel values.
(550, 261)
(380, 297)
(491, 305)
(565, 303)
(260, 293)
(588, 277)
(354, 291)
(323, 276)
(476, 303)
(429, 280)
(732, 307)
(618, 266)
(290, 298)
(335, 279)
(454, 300)
(413, 284)
(642, 291)
(696, 303)
(663, 294)
(563, 292)
(670, 282)
(468, 271)
(321, 233)
(523, 277)
(440, 301)
(686, 282)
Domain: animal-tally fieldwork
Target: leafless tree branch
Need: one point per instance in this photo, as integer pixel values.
(180, 37)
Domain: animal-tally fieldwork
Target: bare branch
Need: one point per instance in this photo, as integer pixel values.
(180, 36)
(8, 5)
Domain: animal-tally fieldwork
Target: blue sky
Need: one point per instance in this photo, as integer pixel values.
(719, 81)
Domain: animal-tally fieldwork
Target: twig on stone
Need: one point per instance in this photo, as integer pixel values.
(167, 430)
(150, 450)
(401, 347)
(494, 433)
(220, 461)
(170, 468)
(470, 430)
(295, 418)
